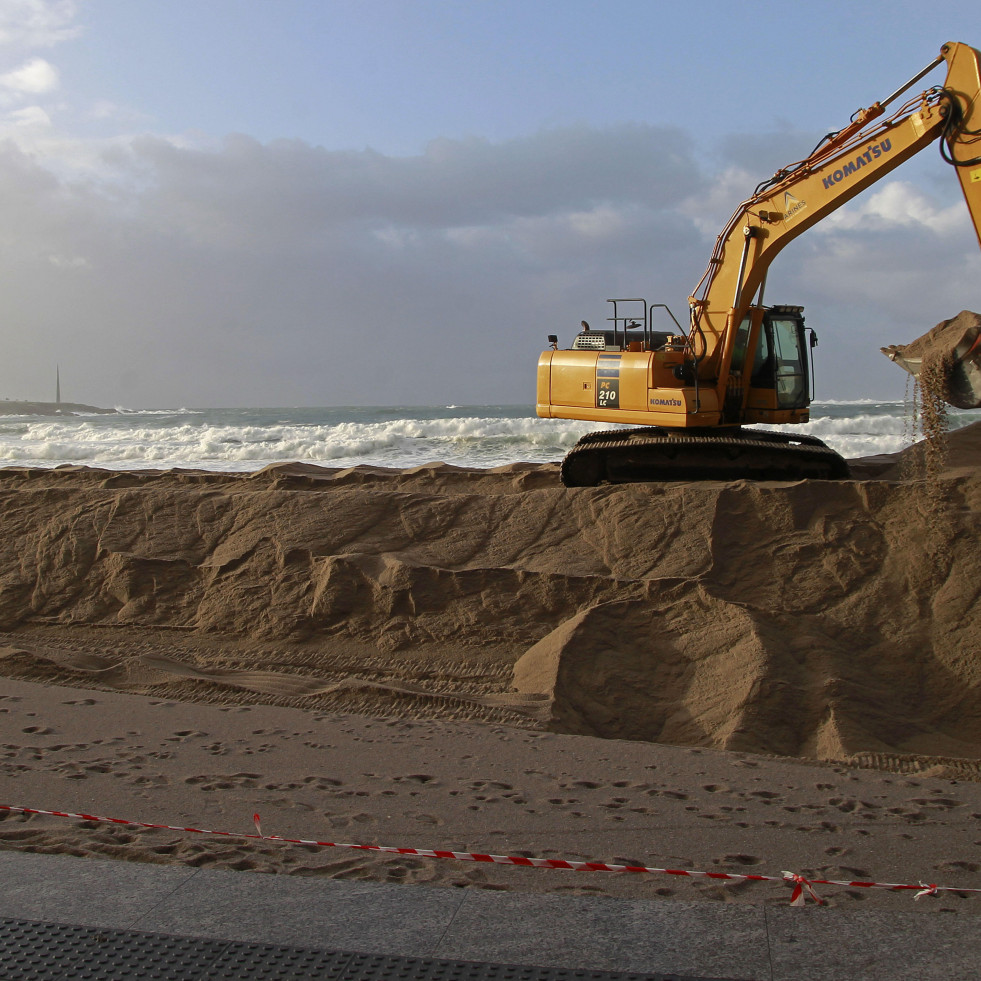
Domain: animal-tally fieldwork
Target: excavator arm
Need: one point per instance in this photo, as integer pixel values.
(845, 164)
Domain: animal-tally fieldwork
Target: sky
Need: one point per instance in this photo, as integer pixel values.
(394, 202)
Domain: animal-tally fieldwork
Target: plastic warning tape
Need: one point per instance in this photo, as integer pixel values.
(803, 886)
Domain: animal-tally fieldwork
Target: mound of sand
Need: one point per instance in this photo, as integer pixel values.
(946, 359)
(811, 619)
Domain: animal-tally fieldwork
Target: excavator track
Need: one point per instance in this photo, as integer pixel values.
(627, 456)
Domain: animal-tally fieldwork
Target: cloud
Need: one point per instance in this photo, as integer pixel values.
(281, 272)
(35, 77)
(27, 25)
(898, 205)
(30, 117)
(68, 262)
(166, 272)
(37, 23)
(454, 184)
(177, 268)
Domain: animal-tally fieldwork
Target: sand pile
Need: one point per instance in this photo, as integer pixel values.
(817, 619)
(945, 359)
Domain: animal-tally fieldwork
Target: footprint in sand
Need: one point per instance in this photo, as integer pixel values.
(943, 803)
(958, 867)
(285, 802)
(323, 783)
(345, 820)
(615, 803)
(856, 873)
(228, 781)
(158, 780)
(184, 734)
(738, 859)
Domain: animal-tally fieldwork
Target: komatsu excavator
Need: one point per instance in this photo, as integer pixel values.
(740, 362)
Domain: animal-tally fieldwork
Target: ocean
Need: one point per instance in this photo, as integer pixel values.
(395, 436)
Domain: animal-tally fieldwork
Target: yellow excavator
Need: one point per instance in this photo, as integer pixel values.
(740, 362)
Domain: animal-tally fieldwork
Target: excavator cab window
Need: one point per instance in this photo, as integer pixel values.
(780, 361)
(788, 359)
(739, 347)
(761, 360)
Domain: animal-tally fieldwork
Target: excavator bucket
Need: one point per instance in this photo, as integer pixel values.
(947, 359)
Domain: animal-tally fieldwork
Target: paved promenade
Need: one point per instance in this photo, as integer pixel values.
(245, 925)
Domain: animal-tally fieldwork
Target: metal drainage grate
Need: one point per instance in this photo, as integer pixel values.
(31, 951)
(46, 951)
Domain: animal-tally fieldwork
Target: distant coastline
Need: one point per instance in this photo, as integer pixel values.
(12, 407)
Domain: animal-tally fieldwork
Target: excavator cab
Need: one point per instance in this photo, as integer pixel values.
(779, 377)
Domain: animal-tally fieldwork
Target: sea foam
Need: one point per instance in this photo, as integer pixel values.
(475, 436)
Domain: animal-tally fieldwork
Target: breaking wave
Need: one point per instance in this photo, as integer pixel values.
(398, 437)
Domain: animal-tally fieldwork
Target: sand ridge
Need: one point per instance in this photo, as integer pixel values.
(810, 619)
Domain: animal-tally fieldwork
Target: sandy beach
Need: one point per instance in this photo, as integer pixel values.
(743, 677)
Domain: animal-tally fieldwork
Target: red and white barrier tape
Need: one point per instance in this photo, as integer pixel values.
(803, 887)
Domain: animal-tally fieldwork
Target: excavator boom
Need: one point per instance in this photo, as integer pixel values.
(804, 193)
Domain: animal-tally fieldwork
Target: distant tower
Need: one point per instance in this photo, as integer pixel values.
(57, 384)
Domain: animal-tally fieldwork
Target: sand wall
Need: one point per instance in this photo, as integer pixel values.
(814, 619)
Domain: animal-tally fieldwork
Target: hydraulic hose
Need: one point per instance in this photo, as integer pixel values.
(953, 131)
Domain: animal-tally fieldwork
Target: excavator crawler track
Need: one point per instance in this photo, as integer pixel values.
(652, 454)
